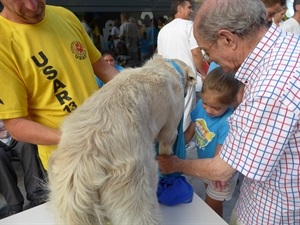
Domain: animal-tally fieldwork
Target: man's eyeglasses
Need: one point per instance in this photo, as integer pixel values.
(205, 55)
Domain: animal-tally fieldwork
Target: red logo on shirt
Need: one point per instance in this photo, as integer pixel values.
(78, 49)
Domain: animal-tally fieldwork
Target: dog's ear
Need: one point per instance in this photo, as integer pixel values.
(191, 77)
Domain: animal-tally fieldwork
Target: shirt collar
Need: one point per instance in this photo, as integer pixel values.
(258, 54)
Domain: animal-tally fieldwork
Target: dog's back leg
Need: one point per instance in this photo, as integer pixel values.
(132, 200)
(73, 193)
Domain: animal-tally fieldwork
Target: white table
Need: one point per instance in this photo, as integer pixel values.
(195, 213)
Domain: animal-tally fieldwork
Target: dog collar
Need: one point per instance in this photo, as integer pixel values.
(177, 68)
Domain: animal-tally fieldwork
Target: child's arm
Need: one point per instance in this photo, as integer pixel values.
(189, 132)
(218, 149)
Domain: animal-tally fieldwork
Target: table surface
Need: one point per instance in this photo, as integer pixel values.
(195, 213)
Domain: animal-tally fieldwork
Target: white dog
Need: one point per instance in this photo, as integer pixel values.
(104, 168)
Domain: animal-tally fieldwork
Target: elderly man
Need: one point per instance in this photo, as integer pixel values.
(264, 137)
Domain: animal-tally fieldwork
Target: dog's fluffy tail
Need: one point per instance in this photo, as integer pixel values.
(73, 191)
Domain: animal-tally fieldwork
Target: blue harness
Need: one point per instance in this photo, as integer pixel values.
(179, 145)
(173, 188)
(177, 68)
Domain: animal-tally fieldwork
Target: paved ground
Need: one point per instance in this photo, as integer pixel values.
(196, 183)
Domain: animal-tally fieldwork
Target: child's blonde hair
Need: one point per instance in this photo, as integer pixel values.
(224, 85)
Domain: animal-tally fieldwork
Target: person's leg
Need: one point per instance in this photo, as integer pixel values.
(34, 176)
(9, 184)
(233, 219)
(216, 205)
(216, 198)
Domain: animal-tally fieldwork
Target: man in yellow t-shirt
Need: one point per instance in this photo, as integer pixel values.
(47, 66)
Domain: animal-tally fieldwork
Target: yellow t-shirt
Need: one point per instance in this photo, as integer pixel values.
(46, 69)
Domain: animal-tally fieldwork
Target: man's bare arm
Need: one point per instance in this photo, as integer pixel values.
(104, 71)
(25, 130)
(212, 168)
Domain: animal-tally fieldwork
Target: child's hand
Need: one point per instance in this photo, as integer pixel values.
(220, 185)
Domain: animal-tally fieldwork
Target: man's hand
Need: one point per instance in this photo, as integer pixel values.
(167, 164)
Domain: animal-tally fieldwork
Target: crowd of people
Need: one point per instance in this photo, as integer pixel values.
(246, 121)
(138, 37)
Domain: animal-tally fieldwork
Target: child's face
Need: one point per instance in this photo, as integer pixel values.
(212, 107)
(108, 58)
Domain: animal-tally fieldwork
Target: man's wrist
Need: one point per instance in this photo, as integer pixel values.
(177, 165)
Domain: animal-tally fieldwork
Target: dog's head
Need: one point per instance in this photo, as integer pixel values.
(186, 75)
(180, 69)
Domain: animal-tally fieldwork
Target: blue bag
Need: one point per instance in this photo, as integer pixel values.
(173, 190)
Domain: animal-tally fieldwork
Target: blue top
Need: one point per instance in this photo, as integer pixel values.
(100, 83)
(145, 47)
(209, 131)
(212, 66)
(152, 34)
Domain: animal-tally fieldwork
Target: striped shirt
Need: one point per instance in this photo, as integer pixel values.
(264, 138)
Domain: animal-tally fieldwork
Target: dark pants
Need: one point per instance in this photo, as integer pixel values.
(34, 174)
